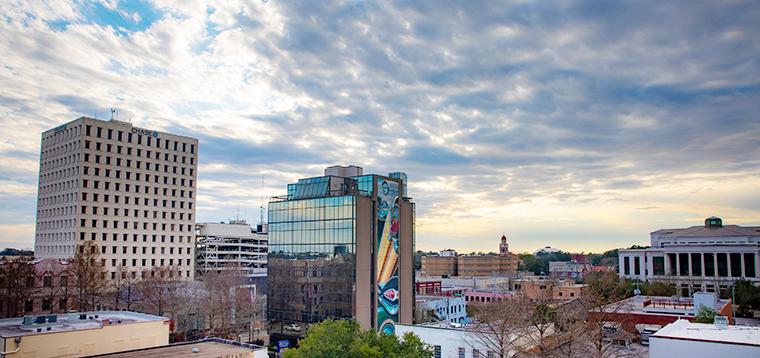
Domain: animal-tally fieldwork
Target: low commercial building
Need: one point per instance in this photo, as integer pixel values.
(659, 311)
(207, 348)
(486, 296)
(699, 258)
(81, 334)
(536, 288)
(233, 247)
(572, 270)
(51, 288)
(568, 291)
(699, 340)
(428, 287)
(450, 309)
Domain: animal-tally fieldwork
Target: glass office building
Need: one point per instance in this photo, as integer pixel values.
(324, 242)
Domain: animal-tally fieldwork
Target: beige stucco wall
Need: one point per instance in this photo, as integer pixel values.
(364, 289)
(406, 263)
(108, 339)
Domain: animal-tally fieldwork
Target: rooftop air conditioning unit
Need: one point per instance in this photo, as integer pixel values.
(28, 320)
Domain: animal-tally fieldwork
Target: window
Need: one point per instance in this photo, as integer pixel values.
(461, 352)
(47, 281)
(658, 265)
(475, 353)
(437, 350)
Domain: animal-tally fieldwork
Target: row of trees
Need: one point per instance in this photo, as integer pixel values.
(222, 305)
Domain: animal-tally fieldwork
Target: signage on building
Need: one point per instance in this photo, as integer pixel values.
(146, 132)
(282, 344)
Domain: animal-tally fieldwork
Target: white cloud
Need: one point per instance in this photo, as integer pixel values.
(508, 117)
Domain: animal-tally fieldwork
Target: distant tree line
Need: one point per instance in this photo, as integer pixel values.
(16, 252)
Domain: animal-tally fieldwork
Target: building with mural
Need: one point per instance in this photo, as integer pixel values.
(341, 246)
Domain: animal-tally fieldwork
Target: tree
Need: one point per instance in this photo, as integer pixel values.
(607, 320)
(705, 315)
(160, 291)
(17, 278)
(220, 303)
(344, 339)
(747, 297)
(499, 327)
(90, 276)
(124, 288)
(658, 289)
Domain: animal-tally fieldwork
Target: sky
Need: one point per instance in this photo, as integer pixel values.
(583, 125)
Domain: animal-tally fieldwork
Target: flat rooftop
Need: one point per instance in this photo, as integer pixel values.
(206, 349)
(14, 327)
(658, 305)
(685, 330)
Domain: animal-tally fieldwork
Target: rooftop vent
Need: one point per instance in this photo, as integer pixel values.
(721, 321)
(713, 222)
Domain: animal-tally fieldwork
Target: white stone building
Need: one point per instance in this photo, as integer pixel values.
(447, 308)
(129, 190)
(231, 247)
(700, 258)
(454, 340)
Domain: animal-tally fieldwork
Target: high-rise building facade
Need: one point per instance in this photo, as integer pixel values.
(128, 189)
(342, 246)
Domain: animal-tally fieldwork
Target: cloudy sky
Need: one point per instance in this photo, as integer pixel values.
(580, 125)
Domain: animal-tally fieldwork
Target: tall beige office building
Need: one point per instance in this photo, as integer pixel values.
(130, 190)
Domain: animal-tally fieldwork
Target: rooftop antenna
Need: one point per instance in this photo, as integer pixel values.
(261, 206)
(114, 113)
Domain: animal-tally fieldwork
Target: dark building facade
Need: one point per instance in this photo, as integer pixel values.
(341, 246)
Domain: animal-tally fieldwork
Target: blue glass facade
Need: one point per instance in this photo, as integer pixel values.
(312, 227)
(312, 257)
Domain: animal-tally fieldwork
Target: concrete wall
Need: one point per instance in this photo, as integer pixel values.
(406, 263)
(674, 348)
(364, 295)
(85, 342)
(449, 339)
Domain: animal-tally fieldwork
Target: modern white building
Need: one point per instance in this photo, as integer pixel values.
(231, 247)
(129, 190)
(446, 308)
(457, 340)
(699, 340)
(699, 258)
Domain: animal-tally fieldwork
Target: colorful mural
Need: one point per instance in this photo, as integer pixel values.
(387, 255)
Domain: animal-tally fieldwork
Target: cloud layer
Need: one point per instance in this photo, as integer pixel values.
(577, 124)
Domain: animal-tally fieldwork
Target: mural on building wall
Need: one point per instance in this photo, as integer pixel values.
(387, 255)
